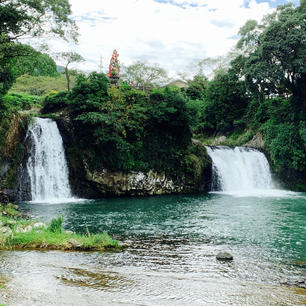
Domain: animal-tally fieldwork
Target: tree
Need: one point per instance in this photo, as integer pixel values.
(196, 87)
(33, 63)
(69, 58)
(34, 18)
(275, 64)
(143, 76)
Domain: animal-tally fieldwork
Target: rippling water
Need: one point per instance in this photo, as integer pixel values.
(170, 260)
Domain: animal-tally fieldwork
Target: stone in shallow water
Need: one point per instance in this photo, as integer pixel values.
(224, 256)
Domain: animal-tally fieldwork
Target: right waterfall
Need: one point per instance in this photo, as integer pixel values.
(239, 169)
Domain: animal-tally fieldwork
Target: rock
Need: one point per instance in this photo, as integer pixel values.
(224, 256)
(39, 225)
(27, 229)
(256, 142)
(11, 222)
(69, 232)
(3, 197)
(18, 229)
(219, 140)
(10, 205)
(6, 231)
(73, 243)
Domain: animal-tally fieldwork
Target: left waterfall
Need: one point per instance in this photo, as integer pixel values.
(47, 166)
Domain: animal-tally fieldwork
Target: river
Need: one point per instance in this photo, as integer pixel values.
(170, 259)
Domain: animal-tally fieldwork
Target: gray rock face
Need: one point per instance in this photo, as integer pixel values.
(256, 142)
(133, 183)
(225, 256)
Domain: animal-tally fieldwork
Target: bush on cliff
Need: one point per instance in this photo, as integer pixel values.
(122, 128)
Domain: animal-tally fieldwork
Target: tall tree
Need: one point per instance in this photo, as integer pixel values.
(144, 76)
(69, 58)
(276, 61)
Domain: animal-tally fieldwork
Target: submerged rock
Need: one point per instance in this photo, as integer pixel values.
(224, 256)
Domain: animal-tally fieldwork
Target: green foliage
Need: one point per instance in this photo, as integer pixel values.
(56, 225)
(18, 102)
(196, 88)
(225, 103)
(275, 63)
(55, 102)
(122, 128)
(33, 18)
(33, 63)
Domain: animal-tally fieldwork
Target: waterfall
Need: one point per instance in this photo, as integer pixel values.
(46, 166)
(239, 169)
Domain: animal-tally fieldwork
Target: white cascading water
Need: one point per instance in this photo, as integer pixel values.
(239, 169)
(47, 166)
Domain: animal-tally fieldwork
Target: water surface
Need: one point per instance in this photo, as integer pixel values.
(170, 260)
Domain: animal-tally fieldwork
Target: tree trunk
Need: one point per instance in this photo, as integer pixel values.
(67, 77)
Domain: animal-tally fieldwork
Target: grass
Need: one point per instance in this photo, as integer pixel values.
(31, 234)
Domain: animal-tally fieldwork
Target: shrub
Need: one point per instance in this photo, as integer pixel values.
(56, 225)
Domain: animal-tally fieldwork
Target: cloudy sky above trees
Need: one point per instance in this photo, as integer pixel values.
(172, 33)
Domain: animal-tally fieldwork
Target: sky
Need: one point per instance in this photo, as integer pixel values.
(171, 33)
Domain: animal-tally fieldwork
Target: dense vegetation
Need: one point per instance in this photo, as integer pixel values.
(125, 129)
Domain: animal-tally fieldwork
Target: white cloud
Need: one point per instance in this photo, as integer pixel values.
(171, 34)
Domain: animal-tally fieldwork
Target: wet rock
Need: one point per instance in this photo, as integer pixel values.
(225, 256)
(27, 229)
(73, 243)
(4, 197)
(39, 225)
(13, 206)
(11, 222)
(300, 283)
(6, 231)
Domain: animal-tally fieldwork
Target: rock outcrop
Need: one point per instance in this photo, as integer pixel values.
(133, 183)
(256, 142)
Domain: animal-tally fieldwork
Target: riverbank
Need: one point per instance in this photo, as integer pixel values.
(17, 232)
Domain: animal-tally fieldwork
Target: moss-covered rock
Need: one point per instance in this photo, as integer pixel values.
(12, 152)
